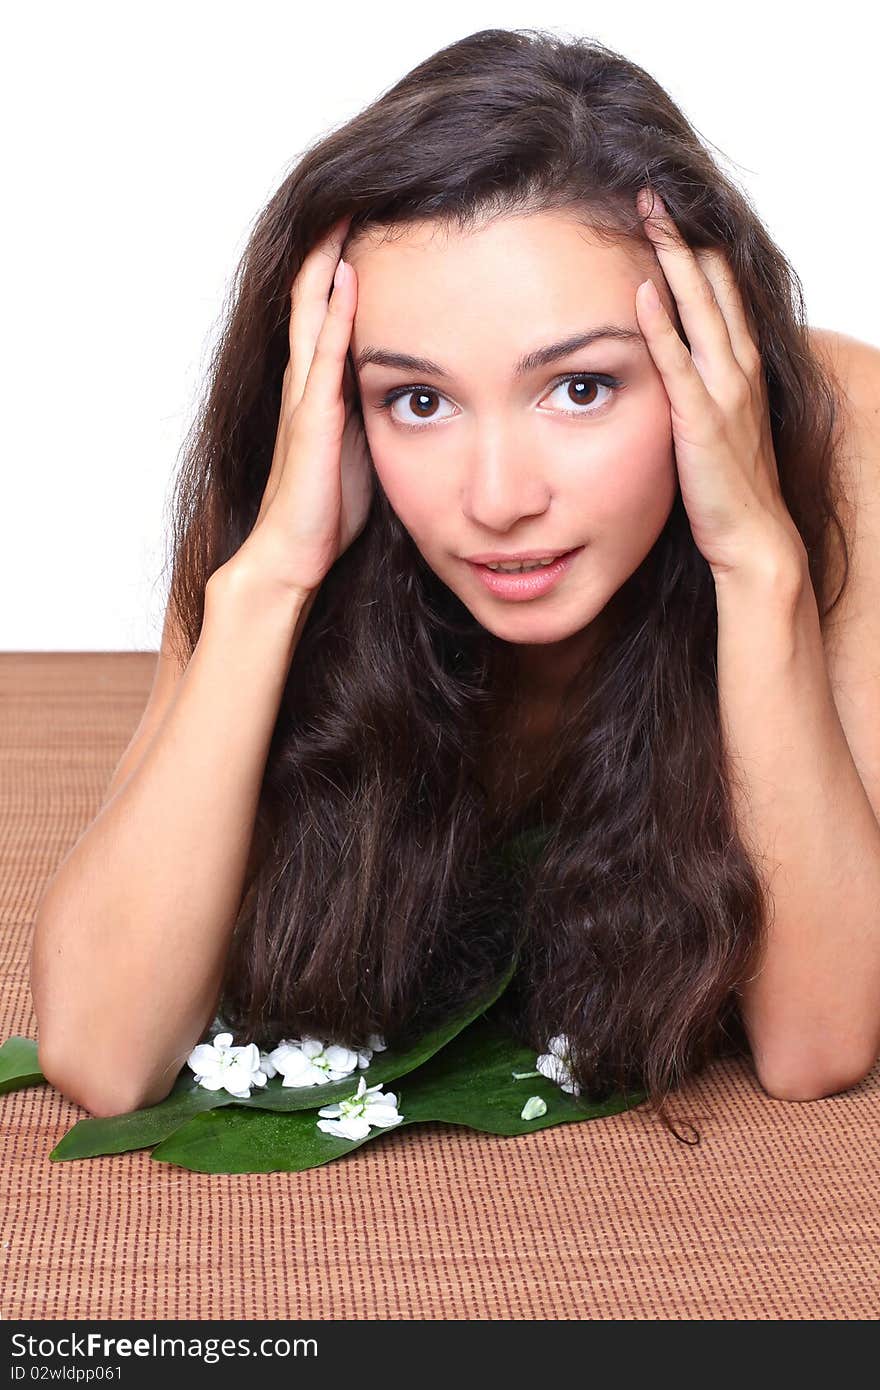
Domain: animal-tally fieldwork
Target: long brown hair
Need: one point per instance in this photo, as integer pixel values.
(382, 898)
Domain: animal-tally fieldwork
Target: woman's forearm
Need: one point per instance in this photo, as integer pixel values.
(131, 940)
(812, 1010)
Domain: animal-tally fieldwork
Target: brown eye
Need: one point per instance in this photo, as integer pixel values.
(420, 404)
(407, 405)
(581, 390)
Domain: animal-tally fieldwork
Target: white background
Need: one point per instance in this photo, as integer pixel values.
(141, 141)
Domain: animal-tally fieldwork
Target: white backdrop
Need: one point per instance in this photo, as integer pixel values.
(142, 140)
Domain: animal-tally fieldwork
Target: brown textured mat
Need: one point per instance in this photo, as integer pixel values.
(773, 1215)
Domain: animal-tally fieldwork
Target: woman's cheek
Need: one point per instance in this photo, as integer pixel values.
(406, 484)
(634, 481)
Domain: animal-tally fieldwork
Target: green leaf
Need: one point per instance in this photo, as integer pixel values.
(237, 1140)
(18, 1064)
(140, 1129)
(467, 1083)
(470, 1083)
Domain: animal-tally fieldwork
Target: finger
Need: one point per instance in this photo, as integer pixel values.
(703, 322)
(321, 413)
(741, 327)
(309, 304)
(685, 387)
(323, 390)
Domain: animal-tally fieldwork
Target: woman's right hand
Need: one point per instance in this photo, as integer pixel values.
(317, 496)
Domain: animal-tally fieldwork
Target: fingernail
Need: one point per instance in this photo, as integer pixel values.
(651, 297)
(340, 274)
(656, 204)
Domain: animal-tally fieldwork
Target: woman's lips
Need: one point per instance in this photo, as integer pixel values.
(529, 583)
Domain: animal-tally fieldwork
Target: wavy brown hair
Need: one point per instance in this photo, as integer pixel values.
(381, 899)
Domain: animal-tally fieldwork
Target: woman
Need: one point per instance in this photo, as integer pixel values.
(492, 380)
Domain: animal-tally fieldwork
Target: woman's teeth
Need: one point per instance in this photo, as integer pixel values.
(519, 568)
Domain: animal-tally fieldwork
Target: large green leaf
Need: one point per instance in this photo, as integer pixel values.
(18, 1064)
(140, 1129)
(469, 1083)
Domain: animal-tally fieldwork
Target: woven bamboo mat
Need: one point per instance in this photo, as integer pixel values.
(774, 1215)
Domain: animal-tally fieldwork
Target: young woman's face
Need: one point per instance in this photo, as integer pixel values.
(477, 456)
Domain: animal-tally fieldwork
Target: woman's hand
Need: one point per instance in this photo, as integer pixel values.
(317, 496)
(718, 396)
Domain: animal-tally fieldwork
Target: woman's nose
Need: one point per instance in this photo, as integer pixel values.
(503, 478)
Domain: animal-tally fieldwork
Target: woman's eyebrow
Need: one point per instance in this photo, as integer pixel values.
(540, 357)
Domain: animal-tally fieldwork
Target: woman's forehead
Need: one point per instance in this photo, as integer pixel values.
(543, 268)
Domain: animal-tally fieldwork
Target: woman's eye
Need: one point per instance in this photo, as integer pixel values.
(585, 394)
(419, 403)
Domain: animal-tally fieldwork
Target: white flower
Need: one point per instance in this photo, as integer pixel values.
(310, 1062)
(301, 1062)
(533, 1107)
(352, 1118)
(555, 1064)
(375, 1043)
(220, 1066)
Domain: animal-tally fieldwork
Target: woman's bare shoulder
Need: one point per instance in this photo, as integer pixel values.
(853, 362)
(854, 368)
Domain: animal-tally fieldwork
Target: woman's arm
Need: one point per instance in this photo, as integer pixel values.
(812, 1011)
(131, 939)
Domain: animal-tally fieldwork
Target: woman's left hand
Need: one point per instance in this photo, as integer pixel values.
(718, 397)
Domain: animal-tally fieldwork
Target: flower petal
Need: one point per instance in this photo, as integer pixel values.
(351, 1128)
(293, 1064)
(389, 1098)
(309, 1076)
(383, 1116)
(202, 1057)
(239, 1069)
(355, 1127)
(340, 1059)
(374, 1103)
(534, 1106)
